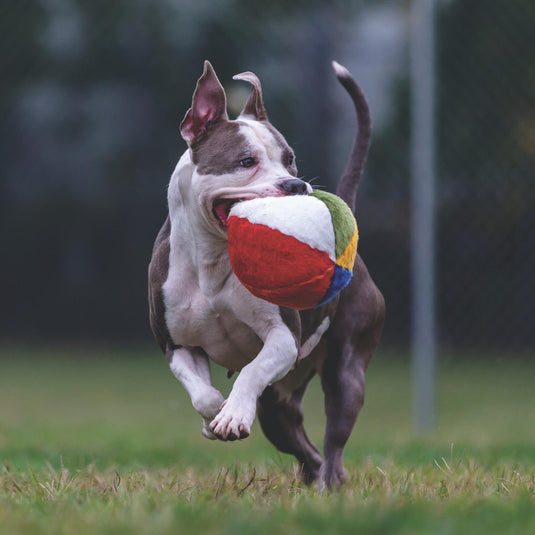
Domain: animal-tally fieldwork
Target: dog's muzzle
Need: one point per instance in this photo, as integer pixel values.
(286, 186)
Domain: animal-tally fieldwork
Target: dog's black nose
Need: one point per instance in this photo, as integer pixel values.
(294, 186)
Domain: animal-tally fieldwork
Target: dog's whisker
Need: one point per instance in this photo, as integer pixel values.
(313, 180)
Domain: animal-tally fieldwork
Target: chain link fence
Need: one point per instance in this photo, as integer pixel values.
(92, 94)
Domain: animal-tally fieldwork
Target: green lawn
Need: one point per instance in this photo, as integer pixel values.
(107, 442)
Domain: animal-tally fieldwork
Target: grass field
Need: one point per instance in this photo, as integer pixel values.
(107, 442)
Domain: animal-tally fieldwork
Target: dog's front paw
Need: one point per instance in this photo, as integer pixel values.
(232, 423)
(208, 402)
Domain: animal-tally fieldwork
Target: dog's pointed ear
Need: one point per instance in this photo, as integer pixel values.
(254, 107)
(209, 106)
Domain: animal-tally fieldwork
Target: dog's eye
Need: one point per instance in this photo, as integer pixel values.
(248, 162)
(290, 159)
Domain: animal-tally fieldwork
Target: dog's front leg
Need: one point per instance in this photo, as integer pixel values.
(274, 361)
(192, 369)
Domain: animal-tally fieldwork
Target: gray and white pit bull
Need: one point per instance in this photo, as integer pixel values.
(199, 311)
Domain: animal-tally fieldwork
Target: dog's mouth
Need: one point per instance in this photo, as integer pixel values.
(222, 207)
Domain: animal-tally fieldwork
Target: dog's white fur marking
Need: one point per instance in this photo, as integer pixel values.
(340, 70)
(263, 142)
(312, 341)
(265, 148)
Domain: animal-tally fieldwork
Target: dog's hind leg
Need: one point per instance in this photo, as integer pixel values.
(281, 418)
(351, 342)
(343, 384)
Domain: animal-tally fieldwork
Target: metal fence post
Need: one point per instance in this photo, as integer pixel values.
(422, 47)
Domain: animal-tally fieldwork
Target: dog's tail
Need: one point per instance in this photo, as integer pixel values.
(347, 187)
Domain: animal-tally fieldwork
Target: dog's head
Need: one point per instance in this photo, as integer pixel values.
(234, 160)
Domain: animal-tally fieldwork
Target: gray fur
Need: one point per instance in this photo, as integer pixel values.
(221, 151)
(158, 270)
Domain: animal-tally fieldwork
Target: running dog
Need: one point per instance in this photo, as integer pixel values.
(199, 311)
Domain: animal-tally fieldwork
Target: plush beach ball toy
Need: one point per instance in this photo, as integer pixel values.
(296, 251)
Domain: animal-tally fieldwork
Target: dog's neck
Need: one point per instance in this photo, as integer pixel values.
(192, 236)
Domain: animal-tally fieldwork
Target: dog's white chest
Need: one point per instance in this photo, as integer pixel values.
(194, 320)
